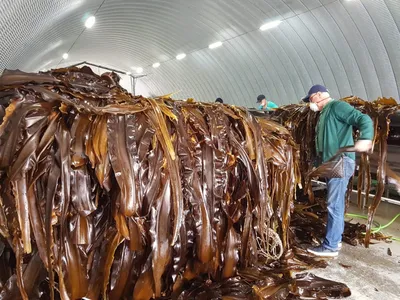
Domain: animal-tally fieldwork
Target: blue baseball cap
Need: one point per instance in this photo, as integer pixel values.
(315, 89)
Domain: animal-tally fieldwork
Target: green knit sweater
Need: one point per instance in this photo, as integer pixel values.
(335, 129)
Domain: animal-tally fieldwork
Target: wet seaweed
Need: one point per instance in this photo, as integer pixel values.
(109, 196)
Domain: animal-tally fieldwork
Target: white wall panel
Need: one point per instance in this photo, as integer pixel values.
(350, 46)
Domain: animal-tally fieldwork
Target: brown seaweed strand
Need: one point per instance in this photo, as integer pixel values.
(3, 220)
(13, 124)
(116, 240)
(361, 179)
(63, 139)
(20, 194)
(121, 163)
(161, 254)
(368, 175)
(381, 172)
(289, 190)
(222, 165)
(19, 258)
(190, 187)
(52, 181)
(131, 144)
(37, 225)
(196, 132)
(122, 268)
(260, 172)
(349, 192)
(157, 120)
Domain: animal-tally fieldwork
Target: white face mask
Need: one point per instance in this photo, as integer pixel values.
(314, 107)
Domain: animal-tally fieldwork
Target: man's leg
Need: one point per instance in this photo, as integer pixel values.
(334, 226)
(337, 188)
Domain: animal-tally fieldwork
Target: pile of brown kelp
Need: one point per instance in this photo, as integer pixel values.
(301, 122)
(108, 196)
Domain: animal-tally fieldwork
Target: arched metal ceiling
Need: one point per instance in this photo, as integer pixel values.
(351, 46)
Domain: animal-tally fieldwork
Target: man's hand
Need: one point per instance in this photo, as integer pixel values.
(361, 146)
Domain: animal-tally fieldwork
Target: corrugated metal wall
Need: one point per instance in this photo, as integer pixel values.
(351, 46)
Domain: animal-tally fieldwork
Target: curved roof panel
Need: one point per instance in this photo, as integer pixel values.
(349, 46)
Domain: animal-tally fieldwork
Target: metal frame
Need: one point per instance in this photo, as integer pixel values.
(133, 78)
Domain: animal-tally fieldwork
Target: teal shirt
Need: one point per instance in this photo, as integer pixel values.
(270, 105)
(335, 129)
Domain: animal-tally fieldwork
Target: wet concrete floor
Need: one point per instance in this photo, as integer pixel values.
(372, 273)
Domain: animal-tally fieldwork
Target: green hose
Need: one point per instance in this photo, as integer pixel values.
(380, 227)
(374, 229)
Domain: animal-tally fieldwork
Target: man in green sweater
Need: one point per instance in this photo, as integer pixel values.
(334, 131)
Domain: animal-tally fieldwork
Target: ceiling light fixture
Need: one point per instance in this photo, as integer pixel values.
(90, 22)
(215, 45)
(270, 25)
(180, 56)
(128, 73)
(156, 65)
(65, 55)
(139, 70)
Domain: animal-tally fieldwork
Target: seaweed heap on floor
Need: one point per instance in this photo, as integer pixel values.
(104, 195)
(301, 122)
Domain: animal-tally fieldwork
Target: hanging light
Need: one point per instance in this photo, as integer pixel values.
(270, 25)
(90, 22)
(156, 65)
(65, 56)
(215, 45)
(180, 56)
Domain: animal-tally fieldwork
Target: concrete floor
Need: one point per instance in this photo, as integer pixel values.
(373, 273)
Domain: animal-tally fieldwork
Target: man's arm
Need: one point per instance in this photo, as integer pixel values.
(348, 114)
(273, 105)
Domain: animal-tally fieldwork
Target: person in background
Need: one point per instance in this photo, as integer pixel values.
(219, 100)
(334, 131)
(265, 104)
